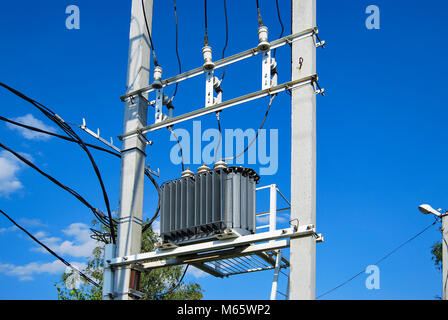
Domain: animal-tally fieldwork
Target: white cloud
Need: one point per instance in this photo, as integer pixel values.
(265, 219)
(28, 271)
(81, 245)
(9, 167)
(30, 120)
(156, 227)
(31, 223)
(4, 230)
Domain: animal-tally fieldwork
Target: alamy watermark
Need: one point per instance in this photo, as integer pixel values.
(373, 280)
(73, 21)
(373, 20)
(262, 152)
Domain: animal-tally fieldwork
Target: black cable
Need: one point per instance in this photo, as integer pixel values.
(51, 251)
(155, 216)
(258, 132)
(95, 211)
(260, 20)
(180, 147)
(227, 39)
(281, 23)
(179, 282)
(205, 24)
(156, 63)
(379, 261)
(69, 131)
(177, 49)
(57, 135)
(99, 217)
(220, 135)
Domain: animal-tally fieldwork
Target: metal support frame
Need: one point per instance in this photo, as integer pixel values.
(242, 254)
(291, 233)
(159, 106)
(310, 32)
(291, 85)
(227, 257)
(98, 137)
(108, 275)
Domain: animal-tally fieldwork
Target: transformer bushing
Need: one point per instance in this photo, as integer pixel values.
(263, 44)
(208, 60)
(157, 83)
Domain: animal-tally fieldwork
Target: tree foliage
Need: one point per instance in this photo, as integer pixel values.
(436, 251)
(157, 284)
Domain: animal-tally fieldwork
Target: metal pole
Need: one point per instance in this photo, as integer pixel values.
(303, 155)
(133, 149)
(274, 288)
(444, 256)
(108, 275)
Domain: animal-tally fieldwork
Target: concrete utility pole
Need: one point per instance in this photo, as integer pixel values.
(444, 256)
(303, 155)
(427, 209)
(133, 149)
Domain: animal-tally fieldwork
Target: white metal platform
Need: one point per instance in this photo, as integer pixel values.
(230, 256)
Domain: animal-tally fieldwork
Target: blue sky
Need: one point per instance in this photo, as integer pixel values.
(380, 133)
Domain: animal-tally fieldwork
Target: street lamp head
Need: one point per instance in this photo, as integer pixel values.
(427, 209)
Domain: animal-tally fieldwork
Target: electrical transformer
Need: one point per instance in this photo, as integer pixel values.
(209, 204)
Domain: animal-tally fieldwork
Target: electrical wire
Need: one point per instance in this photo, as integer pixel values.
(156, 215)
(258, 132)
(69, 131)
(378, 262)
(260, 20)
(220, 134)
(227, 39)
(156, 63)
(177, 49)
(51, 251)
(95, 211)
(180, 147)
(174, 287)
(57, 135)
(97, 235)
(281, 23)
(205, 24)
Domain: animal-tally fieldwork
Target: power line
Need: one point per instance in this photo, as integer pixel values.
(174, 287)
(379, 261)
(220, 134)
(281, 24)
(180, 147)
(177, 48)
(258, 132)
(205, 24)
(57, 135)
(95, 211)
(260, 20)
(227, 39)
(69, 131)
(51, 251)
(148, 174)
(156, 63)
(156, 185)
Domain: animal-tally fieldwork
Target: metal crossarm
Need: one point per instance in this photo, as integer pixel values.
(224, 105)
(226, 61)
